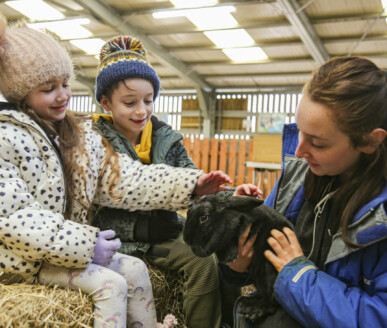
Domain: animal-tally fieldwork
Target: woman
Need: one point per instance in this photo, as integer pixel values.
(333, 268)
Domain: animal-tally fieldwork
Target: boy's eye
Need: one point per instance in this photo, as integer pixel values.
(317, 146)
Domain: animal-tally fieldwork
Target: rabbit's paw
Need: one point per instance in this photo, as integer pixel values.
(255, 308)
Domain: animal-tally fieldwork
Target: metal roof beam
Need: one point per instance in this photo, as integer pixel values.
(168, 7)
(308, 35)
(111, 17)
(87, 82)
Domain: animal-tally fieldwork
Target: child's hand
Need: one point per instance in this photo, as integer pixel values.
(211, 183)
(248, 189)
(105, 249)
(286, 247)
(245, 252)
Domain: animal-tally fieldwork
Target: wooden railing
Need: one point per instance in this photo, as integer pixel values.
(229, 156)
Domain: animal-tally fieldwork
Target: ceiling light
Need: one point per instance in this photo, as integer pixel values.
(230, 38)
(35, 9)
(65, 29)
(203, 18)
(245, 54)
(91, 46)
(212, 18)
(193, 3)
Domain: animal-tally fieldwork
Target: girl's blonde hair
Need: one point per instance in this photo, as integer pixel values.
(71, 139)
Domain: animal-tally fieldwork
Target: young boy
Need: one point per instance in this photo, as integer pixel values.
(126, 86)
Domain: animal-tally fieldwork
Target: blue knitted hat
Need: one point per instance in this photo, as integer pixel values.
(121, 58)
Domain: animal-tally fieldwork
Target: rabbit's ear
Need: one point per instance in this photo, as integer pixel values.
(243, 203)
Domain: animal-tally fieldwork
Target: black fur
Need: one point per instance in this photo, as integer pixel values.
(214, 225)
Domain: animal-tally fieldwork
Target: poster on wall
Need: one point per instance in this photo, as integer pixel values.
(271, 122)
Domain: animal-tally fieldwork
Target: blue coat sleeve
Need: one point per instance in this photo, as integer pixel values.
(317, 299)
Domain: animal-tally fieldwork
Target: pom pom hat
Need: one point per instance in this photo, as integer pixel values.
(28, 59)
(121, 58)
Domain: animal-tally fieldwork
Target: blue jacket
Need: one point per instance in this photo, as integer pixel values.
(351, 291)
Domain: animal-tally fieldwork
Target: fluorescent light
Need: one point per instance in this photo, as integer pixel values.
(203, 18)
(91, 46)
(65, 29)
(212, 18)
(193, 3)
(230, 38)
(170, 13)
(35, 9)
(245, 54)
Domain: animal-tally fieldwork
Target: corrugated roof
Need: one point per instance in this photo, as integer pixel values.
(297, 36)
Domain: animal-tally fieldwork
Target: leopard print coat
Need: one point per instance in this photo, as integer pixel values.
(32, 196)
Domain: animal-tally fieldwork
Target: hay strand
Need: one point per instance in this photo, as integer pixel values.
(167, 292)
(30, 306)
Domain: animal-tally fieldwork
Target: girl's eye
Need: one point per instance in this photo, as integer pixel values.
(129, 103)
(317, 147)
(48, 90)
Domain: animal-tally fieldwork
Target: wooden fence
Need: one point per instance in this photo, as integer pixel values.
(229, 156)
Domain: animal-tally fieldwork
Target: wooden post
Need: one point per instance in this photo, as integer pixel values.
(214, 154)
(196, 153)
(241, 162)
(250, 170)
(232, 160)
(223, 156)
(205, 149)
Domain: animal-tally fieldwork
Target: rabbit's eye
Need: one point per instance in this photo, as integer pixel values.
(203, 218)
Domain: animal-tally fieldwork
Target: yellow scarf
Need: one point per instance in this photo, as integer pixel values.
(143, 149)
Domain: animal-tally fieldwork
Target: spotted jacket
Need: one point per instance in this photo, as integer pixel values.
(32, 196)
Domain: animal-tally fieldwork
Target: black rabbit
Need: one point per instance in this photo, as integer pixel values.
(214, 225)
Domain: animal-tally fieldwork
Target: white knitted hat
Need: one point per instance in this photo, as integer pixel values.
(29, 58)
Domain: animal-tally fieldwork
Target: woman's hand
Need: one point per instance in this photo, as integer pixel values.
(286, 247)
(248, 189)
(245, 252)
(211, 183)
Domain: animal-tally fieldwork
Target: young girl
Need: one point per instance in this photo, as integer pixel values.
(333, 269)
(126, 86)
(53, 168)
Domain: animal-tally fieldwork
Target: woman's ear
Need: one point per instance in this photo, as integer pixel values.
(105, 103)
(373, 140)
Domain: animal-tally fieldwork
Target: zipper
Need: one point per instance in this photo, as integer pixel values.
(318, 210)
(128, 148)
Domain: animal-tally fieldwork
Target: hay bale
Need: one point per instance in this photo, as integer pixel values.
(24, 305)
(35, 306)
(167, 292)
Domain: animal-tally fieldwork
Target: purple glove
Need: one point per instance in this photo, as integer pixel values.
(105, 249)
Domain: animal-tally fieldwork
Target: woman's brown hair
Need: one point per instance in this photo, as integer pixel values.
(355, 90)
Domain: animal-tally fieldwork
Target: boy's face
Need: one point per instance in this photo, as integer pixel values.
(131, 105)
(49, 100)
